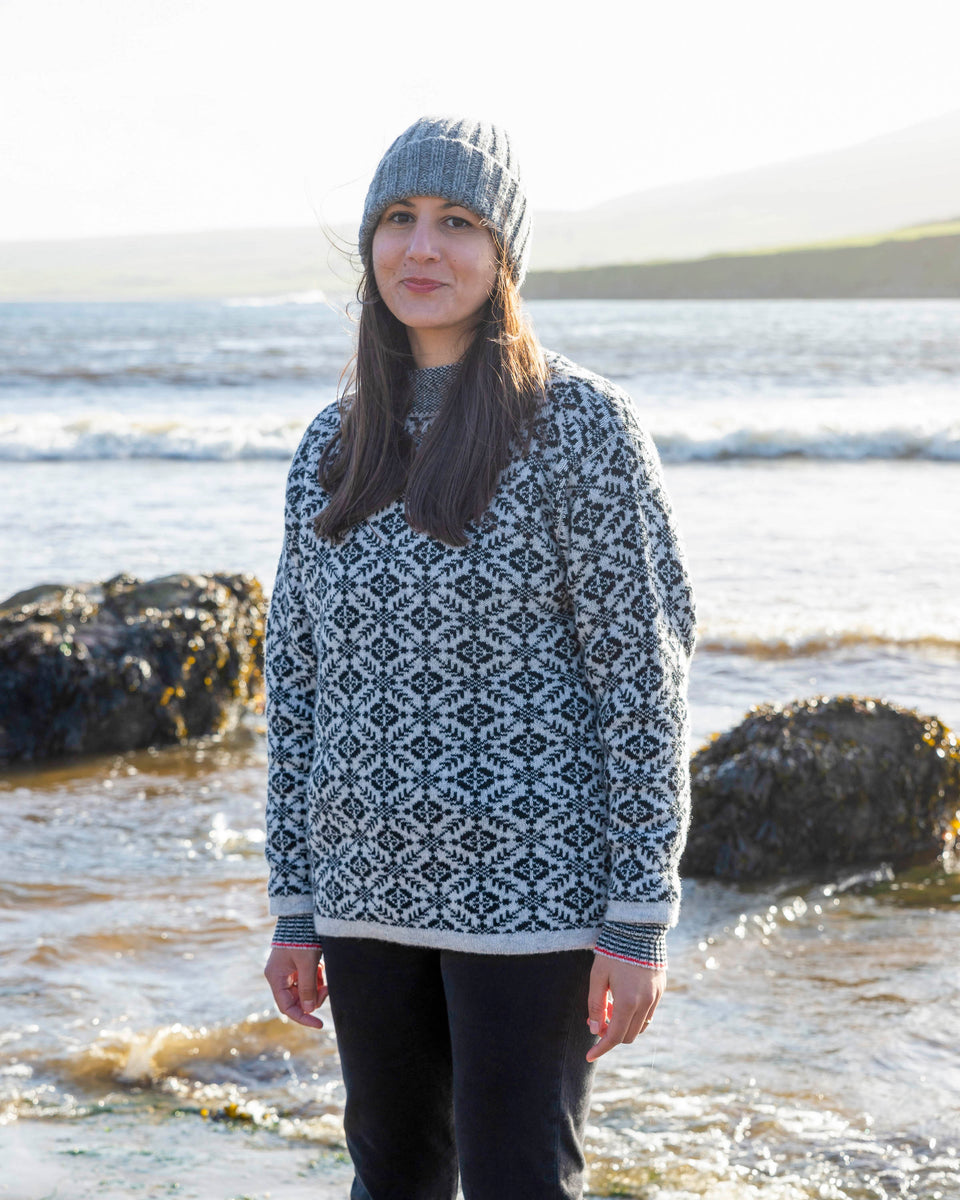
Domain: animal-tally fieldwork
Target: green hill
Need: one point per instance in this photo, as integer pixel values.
(917, 260)
(914, 262)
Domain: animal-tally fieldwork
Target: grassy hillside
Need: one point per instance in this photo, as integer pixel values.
(917, 261)
(764, 228)
(897, 179)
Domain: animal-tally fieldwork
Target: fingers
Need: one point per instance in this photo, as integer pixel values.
(289, 1004)
(636, 991)
(614, 1035)
(597, 999)
(610, 1025)
(297, 982)
(322, 990)
(305, 982)
(642, 1019)
(639, 1024)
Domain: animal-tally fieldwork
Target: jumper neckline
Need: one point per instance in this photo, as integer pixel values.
(429, 386)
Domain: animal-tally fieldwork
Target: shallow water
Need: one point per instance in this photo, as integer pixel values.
(806, 1045)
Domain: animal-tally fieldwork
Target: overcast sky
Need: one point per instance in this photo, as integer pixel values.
(138, 116)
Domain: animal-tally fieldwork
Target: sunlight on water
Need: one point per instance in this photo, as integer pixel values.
(806, 1047)
(795, 1018)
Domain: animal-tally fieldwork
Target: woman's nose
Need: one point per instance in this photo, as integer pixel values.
(423, 242)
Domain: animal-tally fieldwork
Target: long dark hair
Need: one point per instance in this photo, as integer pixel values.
(449, 479)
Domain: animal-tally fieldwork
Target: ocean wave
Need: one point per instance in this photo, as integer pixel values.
(315, 296)
(149, 1056)
(266, 366)
(106, 436)
(245, 1072)
(812, 442)
(111, 435)
(807, 645)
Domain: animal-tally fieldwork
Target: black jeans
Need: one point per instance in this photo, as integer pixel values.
(469, 1061)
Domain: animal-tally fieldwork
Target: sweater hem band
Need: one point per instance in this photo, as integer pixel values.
(541, 942)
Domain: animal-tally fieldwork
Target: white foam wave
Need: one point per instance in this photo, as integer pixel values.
(717, 444)
(118, 436)
(315, 296)
(104, 436)
(808, 643)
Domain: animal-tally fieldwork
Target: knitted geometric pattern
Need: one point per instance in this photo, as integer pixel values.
(644, 945)
(485, 748)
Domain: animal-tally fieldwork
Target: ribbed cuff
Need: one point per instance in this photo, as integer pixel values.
(296, 930)
(645, 945)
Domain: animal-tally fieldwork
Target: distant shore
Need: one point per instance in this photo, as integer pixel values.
(903, 267)
(274, 265)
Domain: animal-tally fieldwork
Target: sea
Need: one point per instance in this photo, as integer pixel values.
(807, 1043)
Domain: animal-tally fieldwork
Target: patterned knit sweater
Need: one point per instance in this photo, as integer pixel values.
(485, 748)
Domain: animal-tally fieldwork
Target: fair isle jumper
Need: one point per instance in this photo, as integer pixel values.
(485, 748)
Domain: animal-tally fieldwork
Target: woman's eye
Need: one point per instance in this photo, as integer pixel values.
(398, 218)
(458, 222)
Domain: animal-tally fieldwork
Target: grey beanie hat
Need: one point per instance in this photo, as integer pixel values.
(470, 163)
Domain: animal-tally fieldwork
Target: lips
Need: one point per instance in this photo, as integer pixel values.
(414, 283)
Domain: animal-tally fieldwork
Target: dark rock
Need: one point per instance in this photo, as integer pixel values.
(106, 667)
(823, 783)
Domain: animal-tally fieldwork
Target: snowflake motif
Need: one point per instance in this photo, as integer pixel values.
(490, 740)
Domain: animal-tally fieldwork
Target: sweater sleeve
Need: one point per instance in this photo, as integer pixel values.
(634, 613)
(297, 931)
(290, 671)
(643, 945)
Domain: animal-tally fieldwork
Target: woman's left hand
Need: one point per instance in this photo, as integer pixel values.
(635, 993)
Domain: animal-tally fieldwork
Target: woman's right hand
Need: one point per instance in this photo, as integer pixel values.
(295, 975)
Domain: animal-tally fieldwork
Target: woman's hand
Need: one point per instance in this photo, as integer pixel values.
(295, 975)
(635, 993)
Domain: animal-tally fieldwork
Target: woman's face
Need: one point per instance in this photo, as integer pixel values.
(435, 266)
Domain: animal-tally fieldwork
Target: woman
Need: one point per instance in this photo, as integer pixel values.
(476, 664)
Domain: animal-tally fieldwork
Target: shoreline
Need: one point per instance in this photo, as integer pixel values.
(114, 1154)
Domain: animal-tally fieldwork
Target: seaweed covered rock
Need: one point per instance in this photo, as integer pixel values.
(823, 783)
(123, 664)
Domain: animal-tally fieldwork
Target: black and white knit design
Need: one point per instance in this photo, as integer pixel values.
(640, 944)
(298, 930)
(485, 748)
